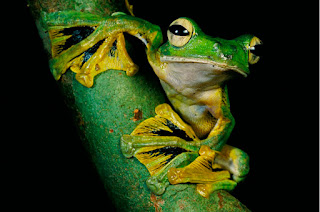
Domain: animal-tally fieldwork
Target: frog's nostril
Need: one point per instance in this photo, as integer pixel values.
(216, 46)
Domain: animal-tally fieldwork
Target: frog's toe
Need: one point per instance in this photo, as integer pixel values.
(156, 186)
(126, 146)
(206, 189)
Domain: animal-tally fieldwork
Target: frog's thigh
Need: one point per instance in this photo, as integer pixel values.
(235, 160)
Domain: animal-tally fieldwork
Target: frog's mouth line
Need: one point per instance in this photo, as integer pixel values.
(221, 66)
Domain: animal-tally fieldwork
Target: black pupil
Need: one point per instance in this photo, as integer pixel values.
(178, 30)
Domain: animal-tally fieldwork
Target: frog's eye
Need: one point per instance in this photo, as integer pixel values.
(180, 32)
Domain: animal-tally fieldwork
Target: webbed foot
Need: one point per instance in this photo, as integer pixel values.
(201, 171)
(158, 181)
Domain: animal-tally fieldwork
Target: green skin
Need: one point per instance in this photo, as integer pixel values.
(193, 76)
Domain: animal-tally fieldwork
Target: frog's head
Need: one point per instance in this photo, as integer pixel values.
(188, 44)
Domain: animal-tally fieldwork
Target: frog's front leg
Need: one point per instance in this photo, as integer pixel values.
(219, 135)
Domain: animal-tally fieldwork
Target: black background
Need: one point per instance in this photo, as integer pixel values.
(275, 107)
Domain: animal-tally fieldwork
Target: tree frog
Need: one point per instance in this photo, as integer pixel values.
(184, 142)
(193, 68)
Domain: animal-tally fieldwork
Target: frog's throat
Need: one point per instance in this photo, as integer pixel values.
(222, 66)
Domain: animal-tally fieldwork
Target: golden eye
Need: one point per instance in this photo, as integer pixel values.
(180, 32)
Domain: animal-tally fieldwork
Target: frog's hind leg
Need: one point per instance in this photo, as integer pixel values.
(158, 181)
(234, 160)
(201, 171)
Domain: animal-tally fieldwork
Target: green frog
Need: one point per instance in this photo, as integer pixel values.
(193, 68)
(185, 143)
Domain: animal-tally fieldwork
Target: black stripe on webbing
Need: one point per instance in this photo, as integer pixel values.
(176, 131)
(77, 34)
(88, 53)
(165, 151)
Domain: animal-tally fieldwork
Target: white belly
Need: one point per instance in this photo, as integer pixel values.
(192, 79)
